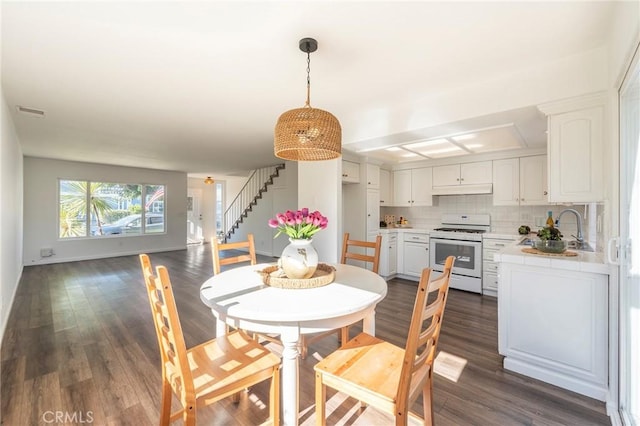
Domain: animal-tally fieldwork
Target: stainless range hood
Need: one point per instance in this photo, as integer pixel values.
(486, 188)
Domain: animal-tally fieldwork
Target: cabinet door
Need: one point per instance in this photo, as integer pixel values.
(533, 181)
(416, 258)
(576, 156)
(506, 182)
(350, 172)
(476, 173)
(446, 175)
(388, 255)
(373, 210)
(421, 184)
(402, 188)
(393, 257)
(373, 176)
(385, 188)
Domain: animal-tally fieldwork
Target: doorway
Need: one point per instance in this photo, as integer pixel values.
(195, 233)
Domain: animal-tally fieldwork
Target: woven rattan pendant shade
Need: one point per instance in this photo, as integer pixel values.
(307, 134)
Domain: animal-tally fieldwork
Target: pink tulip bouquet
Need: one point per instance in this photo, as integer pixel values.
(299, 224)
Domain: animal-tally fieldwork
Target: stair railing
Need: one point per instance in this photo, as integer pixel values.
(248, 196)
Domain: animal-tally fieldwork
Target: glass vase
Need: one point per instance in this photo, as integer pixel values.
(299, 259)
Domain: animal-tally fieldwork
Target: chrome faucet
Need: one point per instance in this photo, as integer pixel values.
(578, 237)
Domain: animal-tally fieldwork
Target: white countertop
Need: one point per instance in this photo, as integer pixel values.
(584, 262)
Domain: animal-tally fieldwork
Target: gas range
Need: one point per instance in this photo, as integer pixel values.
(462, 227)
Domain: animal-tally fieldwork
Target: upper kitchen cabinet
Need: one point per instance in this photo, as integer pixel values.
(462, 174)
(350, 172)
(373, 176)
(465, 178)
(412, 187)
(385, 188)
(575, 148)
(520, 181)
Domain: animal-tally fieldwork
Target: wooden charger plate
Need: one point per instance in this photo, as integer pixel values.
(272, 276)
(541, 253)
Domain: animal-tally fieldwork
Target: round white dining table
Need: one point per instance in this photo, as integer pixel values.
(239, 298)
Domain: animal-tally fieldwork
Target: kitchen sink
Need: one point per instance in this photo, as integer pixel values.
(573, 245)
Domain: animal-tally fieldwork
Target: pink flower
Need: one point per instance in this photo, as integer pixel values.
(298, 224)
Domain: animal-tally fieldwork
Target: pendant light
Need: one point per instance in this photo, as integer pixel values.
(209, 180)
(308, 134)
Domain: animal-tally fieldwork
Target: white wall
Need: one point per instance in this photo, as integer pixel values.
(320, 188)
(41, 204)
(10, 215)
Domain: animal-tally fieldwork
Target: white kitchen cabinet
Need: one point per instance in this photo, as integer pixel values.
(553, 326)
(415, 253)
(491, 246)
(350, 172)
(388, 255)
(412, 187)
(520, 181)
(373, 176)
(385, 188)
(373, 210)
(534, 190)
(575, 146)
(463, 174)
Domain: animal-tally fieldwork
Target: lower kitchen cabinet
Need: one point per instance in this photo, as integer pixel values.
(388, 255)
(415, 253)
(491, 246)
(553, 326)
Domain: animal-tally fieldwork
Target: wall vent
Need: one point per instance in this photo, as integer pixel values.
(31, 111)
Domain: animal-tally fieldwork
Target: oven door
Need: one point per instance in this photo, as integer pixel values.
(468, 256)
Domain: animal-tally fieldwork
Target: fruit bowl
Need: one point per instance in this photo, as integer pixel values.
(550, 246)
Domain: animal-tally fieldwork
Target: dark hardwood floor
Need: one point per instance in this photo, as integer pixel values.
(80, 348)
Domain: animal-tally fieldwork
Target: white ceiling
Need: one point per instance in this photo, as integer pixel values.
(198, 86)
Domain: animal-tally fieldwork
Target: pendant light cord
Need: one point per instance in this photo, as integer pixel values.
(308, 104)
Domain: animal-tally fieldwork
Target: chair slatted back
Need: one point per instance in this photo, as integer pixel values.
(422, 340)
(173, 351)
(219, 261)
(348, 245)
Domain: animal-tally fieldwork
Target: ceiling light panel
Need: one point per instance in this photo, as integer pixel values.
(436, 148)
(495, 139)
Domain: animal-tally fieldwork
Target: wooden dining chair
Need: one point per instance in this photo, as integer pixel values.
(386, 376)
(217, 249)
(207, 372)
(356, 250)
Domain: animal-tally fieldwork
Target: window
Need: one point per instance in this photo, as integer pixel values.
(97, 209)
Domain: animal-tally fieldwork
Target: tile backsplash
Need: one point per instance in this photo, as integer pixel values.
(504, 219)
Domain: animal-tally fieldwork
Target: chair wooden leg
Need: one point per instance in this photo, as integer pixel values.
(427, 401)
(189, 415)
(274, 397)
(344, 335)
(303, 347)
(165, 404)
(321, 396)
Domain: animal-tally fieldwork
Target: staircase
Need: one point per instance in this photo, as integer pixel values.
(248, 197)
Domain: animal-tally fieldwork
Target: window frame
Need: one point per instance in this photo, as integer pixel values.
(88, 214)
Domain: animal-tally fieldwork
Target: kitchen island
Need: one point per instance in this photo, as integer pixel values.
(554, 319)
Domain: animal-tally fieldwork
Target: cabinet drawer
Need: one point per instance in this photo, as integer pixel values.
(416, 238)
(490, 267)
(490, 281)
(496, 244)
(393, 237)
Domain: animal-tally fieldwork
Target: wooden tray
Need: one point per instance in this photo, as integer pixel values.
(272, 276)
(541, 253)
